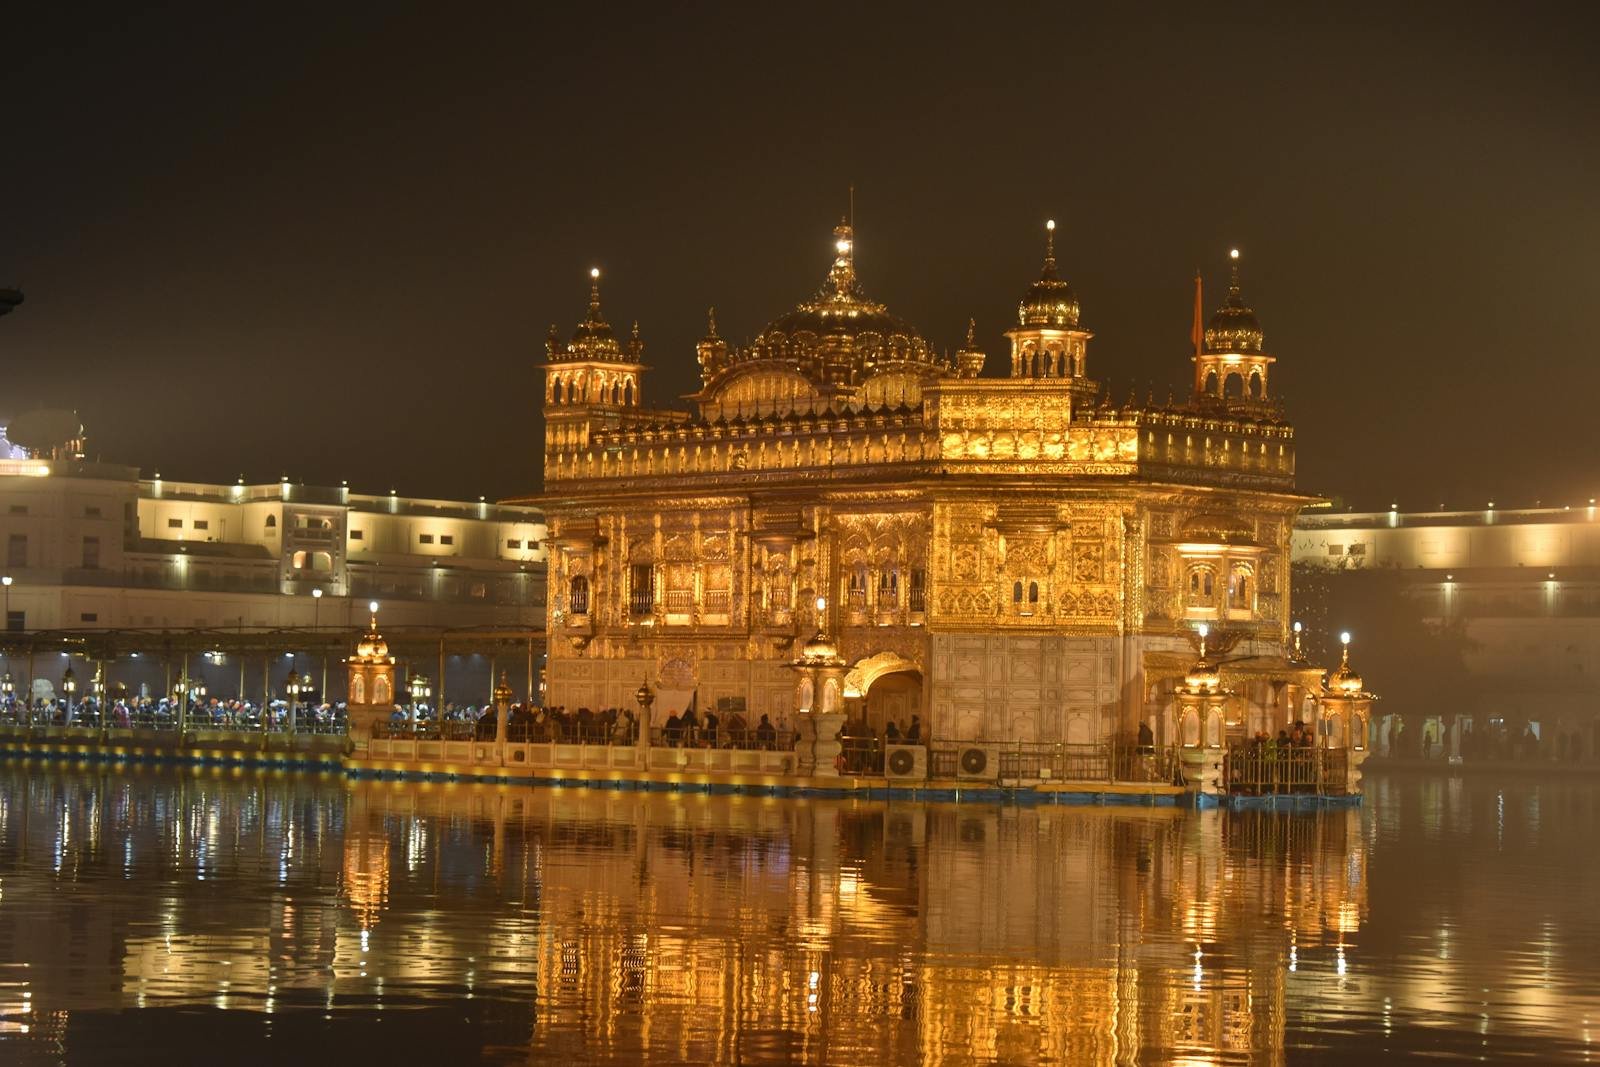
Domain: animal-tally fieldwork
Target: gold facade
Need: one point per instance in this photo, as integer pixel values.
(1014, 552)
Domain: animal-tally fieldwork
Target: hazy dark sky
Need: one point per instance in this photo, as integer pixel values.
(328, 241)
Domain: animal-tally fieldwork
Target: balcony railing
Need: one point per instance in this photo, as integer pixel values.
(1266, 768)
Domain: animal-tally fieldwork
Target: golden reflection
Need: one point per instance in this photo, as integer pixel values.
(677, 928)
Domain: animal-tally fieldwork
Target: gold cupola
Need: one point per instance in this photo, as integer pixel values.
(1230, 363)
(1049, 301)
(1048, 341)
(1343, 680)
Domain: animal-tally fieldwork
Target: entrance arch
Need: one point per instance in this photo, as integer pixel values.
(889, 687)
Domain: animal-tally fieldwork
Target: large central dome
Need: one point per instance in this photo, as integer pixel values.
(840, 337)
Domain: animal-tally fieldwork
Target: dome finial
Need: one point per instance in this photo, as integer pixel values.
(711, 324)
(1233, 283)
(594, 296)
(972, 333)
(843, 272)
(1049, 244)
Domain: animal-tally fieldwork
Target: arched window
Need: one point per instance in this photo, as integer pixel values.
(1257, 387)
(1211, 384)
(1206, 583)
(641, 589)
(1033, 592)
(578, 595)
(272, 522)
(1233, 385)
(1016, 592)
(358, 689)
(380, 689)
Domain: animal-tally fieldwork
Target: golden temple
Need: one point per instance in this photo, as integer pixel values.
(1011, 557)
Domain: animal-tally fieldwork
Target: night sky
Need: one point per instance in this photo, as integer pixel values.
(328, 242)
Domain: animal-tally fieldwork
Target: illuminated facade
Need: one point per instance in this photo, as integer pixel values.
(94, 546)
(1522, 587)
(1014, 557)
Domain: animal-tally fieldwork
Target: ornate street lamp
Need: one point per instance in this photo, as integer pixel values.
(69, 685)
(97, 686)
(293, 688)
(645, 697)
(420, 692)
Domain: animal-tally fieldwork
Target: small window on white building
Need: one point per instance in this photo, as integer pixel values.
(425, 539)
(174, 524)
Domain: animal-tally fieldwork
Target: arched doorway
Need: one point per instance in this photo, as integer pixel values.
(894, 697)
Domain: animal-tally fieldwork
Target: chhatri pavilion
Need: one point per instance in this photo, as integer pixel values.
(1012, 556)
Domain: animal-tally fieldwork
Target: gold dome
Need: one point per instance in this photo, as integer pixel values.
(594, 339)
(502, 690)
(840, 336)
(1049, 301)
(1234, 327)
(820, 647)
(372, 648)
(1203, 677)
(1344, 681)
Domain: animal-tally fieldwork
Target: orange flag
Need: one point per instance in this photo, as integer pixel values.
(1197, 333)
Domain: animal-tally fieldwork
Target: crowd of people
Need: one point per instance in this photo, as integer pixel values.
(585, 726)
(1283, 764)
(164, 713)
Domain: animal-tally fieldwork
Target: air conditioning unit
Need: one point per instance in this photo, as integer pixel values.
(978, 761)
(905, 761)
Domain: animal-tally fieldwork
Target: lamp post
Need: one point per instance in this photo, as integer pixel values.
(97, 686)
(6, 581)
(316, 623)
(420, 691)
(292, 687)
(69, 685)
(7, 693)
(645, 698)
(180, 694)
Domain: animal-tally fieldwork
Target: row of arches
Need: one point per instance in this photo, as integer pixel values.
(1051, 362)
(587, 385)
(1233, 381)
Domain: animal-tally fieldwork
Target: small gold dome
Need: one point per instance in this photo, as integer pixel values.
(819, 648)
(372, 648)
(1234, 327)
(1049, 301)
(1344, 681)
(1203, 677)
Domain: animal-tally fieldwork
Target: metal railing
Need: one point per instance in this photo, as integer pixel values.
(160, 718)
(1268, 768)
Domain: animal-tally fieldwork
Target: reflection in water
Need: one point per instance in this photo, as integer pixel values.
(286, 915)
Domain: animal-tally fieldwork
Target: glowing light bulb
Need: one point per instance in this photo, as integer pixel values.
(1296, 627)
(1233, 253)
(822, 603)
(1050, 224)
(1205, 630)
(594, 272)
(842, 246)
(1344, 637)
(372, 607)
